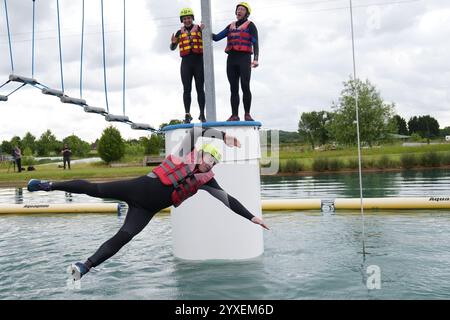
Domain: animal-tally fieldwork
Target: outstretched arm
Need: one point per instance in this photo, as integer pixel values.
(217, 192)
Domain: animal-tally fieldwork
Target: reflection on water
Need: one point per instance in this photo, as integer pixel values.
(346, 185)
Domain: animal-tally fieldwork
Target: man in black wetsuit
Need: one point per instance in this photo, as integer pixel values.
(242, 42)
(189, 40)
(177, 178)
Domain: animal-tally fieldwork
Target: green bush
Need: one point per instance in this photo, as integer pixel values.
(320, 164)
(335, 164)
(111, 146)
(446, 158)
(353, 164)
(431, 159)
(385, 162)
(408, 161)
(291, 166)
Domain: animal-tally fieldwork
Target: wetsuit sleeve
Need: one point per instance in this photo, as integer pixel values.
(221, 35)
(254, 33)
(188, 143)
(217, 192)
(173, 46)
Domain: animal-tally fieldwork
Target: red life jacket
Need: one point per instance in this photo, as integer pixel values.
(239, 39)
(178, 173)
(191, 41)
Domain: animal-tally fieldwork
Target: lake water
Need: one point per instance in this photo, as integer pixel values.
(307, 255)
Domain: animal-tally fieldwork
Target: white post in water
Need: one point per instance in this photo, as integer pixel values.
(203, 228)
(208, 62)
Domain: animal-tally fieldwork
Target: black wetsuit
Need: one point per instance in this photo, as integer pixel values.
(239, 68)
(145, 197)
(191, 67)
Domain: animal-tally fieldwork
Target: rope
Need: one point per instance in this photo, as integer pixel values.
(23, 85)
(124, 57)
(32, 40)
(104, 58)
(9, 37)
(357, 134)
(60, 49)
(82, 51)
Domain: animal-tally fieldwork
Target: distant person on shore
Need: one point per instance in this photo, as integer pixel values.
(17, 155)
(66, 152)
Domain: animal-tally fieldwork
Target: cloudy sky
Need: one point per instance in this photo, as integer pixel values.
(305, 54)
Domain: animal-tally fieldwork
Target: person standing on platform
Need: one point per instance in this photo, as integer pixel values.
(242, 42)
(189, 40)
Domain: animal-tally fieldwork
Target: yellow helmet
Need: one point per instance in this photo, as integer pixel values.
(209, 148)
(246, 5)
(186, 12)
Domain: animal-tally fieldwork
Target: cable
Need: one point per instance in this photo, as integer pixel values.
(32, 41)
(9, 37)
(104, 57)
(82, 51)
(124, 57)
(60, 47)
(357, 133)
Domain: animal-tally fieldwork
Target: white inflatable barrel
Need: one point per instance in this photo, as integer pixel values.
(204, 228)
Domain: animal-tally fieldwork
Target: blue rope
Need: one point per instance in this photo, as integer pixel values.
(104, 58)
(32, 41)
(60, 49)
(9, 37)
(124, 56)
(82, 49)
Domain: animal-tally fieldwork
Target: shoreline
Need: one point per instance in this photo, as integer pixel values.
(23, 184)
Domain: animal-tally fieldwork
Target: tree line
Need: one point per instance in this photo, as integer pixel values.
(378, 121)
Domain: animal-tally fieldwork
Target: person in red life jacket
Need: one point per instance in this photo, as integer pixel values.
(177, 178)
(242, 42)
(189, 40)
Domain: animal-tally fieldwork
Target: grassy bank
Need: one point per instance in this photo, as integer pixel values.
(294, 159)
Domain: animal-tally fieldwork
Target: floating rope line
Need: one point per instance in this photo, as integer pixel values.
(358, 135)
(9, 37)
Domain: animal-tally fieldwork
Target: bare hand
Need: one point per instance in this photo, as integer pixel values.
(174, 39)
(232, 141)
(259, 221)
(202, 25)
(255, 64)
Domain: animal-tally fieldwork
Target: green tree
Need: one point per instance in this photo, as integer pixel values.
(374, 115)
(401, 125)
(47, 144)
(426, 126)
(111, 146)
(29, 142)
(16, 142)
(78, 147)
(154, 144)
(313, 127)
(6, 147)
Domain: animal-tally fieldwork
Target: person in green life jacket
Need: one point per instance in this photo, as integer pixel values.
(190, 43)
(242, 42)
(177, 178)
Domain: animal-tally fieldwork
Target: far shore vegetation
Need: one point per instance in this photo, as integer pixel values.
(324, 142)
